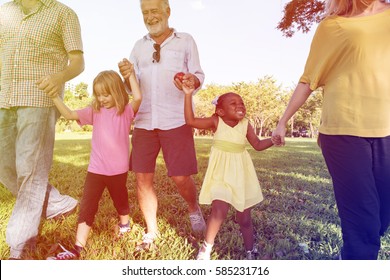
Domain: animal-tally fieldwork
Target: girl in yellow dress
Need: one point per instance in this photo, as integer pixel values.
(230, 177)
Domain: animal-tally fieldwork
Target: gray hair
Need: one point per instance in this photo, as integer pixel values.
(165, 3)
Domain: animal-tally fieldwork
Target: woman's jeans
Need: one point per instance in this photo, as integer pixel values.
(360, 170)
(26, 149)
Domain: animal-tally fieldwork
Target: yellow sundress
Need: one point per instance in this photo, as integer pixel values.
(231, 175)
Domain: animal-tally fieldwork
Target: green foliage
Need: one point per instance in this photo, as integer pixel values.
(81, 91)
(308, 117)
(265, 102)
(298, 209)
(77, 99)
(264, 99)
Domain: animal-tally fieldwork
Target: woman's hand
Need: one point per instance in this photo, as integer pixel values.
(278, 136)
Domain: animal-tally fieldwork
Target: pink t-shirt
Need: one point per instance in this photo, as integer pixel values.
(110, 139)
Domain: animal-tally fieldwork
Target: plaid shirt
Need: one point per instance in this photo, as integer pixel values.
(33, 46)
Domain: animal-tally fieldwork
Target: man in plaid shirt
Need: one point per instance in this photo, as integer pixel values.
(40, 49)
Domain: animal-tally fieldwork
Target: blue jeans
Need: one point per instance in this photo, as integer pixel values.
(26, 149)
(360, 170)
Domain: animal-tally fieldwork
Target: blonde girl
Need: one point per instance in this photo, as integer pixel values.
(111, 116)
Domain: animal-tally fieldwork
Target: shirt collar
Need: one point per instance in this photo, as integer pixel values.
(44, 2)
(175, 34)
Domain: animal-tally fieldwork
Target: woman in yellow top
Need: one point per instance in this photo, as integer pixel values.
(349, 59)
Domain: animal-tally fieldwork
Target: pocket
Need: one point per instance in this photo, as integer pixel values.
(43, 34)
(175, 61)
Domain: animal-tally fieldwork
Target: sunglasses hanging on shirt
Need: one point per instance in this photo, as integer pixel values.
(156, 54)
(157, 47)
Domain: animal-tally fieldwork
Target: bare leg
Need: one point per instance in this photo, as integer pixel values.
(187, 190)
(124, 219)
(82, 234)
(245, 221)
(147, 200)
(219, 210)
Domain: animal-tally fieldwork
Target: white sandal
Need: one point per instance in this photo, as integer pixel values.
(205, 251)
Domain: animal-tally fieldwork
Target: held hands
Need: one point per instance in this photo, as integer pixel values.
(185, 82)
(188, 89)
(126, 68)
(188, 79)
(278, 136)
(50, 84)
(276, 141)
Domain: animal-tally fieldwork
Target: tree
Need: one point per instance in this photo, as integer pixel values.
(74, 100)
(308, 117)
(299, 15)
(265, 101)
(262, 101)
(81, 91)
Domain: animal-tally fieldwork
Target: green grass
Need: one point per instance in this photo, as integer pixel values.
(298, 208)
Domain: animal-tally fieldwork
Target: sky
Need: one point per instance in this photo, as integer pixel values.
(237, 40)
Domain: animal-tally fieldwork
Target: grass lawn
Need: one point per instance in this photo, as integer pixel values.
(296, 221)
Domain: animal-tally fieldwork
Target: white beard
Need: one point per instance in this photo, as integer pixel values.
(156, 29)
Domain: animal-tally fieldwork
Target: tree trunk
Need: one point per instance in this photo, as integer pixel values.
(312, 133)
(292, 126)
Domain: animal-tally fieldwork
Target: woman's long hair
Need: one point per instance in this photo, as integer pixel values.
(345, 7)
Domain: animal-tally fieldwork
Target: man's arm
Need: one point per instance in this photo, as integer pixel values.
(52, 84)
(75, 67)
